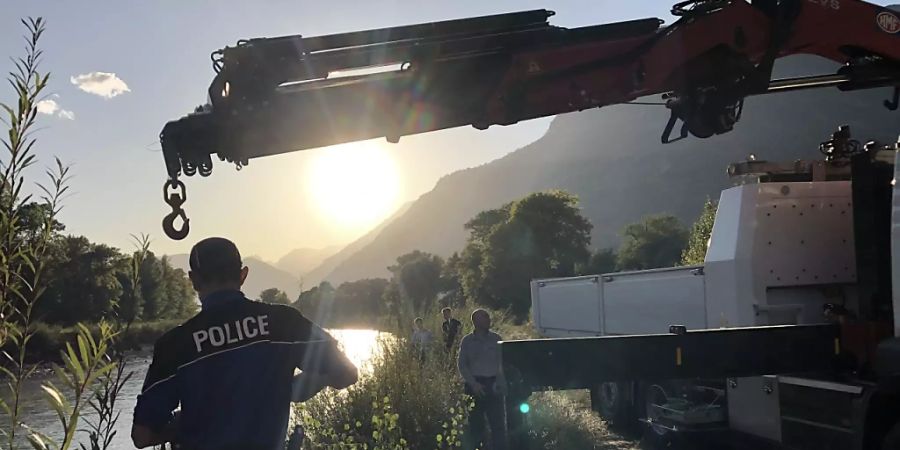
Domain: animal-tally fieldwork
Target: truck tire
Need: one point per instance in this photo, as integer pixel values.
(614, 402)
(654, 437)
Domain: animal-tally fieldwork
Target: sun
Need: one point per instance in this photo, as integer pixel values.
(354, 186)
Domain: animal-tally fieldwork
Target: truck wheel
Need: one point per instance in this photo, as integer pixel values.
(891, 441)
(655, 436)
(613, 400)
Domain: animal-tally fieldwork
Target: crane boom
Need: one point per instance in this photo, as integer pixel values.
(283, 94)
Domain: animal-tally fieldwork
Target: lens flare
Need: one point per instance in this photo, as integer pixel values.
(354, 186)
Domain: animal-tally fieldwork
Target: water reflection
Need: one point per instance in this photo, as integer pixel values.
(359, 345)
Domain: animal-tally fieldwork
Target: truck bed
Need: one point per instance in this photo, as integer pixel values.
(624, 303)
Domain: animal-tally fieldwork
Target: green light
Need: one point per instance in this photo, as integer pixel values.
(524, 408)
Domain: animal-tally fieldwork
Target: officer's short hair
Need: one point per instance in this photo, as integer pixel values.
(215, 260)
(445, 310)
(418, 319)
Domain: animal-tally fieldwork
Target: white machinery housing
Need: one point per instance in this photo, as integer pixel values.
(778, 253)
(782, 248)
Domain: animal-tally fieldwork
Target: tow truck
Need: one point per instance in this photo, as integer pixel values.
(801, 248)
(765, 361)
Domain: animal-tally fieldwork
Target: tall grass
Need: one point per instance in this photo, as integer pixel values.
(560, 420)
(23, 263)
(402, 402)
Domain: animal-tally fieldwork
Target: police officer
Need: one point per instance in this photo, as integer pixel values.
(231, 366)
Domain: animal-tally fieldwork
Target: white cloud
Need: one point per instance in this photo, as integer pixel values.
(51, 107)
(48, 106)
(104, 84)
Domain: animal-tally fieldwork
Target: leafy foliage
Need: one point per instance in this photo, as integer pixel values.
(179, 300)
(101, 430)
(358, 302)
(601, 261)
(311, 302)
(90, 282)
(416, 280)
(451, 283)
(559, 421)
(84, 286)
(402, 403)
(541, 235)
(654, 242)
(47, 340)
(353, 304)
(28, 245)
(274, 295)
(80, 371)
(698, 241)
(21, 259)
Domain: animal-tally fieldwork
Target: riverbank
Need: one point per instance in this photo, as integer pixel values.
(400, 401)
(49, 340)
(358, 344)
(403, 402)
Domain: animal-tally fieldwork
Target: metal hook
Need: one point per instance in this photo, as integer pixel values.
(175, 200)
(168, 224)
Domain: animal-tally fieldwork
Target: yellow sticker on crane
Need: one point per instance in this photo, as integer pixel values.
(677, 356)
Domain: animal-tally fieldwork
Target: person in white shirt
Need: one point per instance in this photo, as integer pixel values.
(479, 365)
(421, 338)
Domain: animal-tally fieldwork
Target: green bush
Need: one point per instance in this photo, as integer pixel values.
(402, 402)
(698, 241)
(561, 420)
(144, 334)
(48, 339)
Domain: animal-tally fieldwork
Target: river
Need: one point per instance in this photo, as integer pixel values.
(359, 345)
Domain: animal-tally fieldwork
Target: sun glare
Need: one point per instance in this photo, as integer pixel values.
(355, 186)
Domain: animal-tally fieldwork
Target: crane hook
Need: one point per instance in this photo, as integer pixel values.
(169, 225)
(175, 199)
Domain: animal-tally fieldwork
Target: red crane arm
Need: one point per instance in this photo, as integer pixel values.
(277, 95)
(727, 48)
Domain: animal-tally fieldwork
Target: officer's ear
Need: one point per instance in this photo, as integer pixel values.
(244, 272)
(193, 281)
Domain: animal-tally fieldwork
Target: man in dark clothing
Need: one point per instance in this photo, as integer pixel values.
(450, 328)
(231, 366)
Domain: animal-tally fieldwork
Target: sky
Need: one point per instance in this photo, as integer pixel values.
(121, 70)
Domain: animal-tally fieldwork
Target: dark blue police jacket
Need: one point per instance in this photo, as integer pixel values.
(230, 367)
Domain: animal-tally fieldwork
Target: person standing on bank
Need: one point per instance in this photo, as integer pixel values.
(231, 366)
(421, 338)
(449, 329)
(479, 366)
